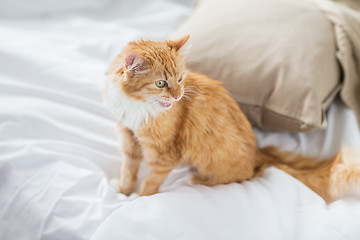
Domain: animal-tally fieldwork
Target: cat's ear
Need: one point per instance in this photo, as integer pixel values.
(134, 62)
(179, 44)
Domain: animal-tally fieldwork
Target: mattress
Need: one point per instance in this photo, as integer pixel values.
(59, 150)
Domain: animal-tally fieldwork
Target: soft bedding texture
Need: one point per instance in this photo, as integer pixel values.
(58, 146)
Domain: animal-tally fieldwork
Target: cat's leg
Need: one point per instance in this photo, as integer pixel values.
(218, 179)
(196, 178)
(132, 157)
(158, 171)
(214, 175)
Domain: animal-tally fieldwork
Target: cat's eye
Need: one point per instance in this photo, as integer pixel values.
(180, 79)
(160, 83)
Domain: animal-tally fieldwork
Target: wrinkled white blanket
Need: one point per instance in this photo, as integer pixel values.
(58, 146)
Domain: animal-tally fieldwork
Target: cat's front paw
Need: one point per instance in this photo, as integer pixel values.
(124, 189)
(121, 187)
(126, 185)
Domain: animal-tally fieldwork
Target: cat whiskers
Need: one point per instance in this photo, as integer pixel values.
(194, 90)
(187, 97)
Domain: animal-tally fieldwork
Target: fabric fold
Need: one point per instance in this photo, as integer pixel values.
(345, 16)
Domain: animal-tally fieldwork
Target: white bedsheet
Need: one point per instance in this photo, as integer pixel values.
(58, 146)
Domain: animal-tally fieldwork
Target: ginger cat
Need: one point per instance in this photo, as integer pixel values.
(170, 116)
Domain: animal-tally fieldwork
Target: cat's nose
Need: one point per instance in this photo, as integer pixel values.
(176, 97)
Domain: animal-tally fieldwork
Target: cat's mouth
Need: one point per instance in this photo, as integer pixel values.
(164, 104)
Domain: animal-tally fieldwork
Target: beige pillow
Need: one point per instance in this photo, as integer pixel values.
(277, 58)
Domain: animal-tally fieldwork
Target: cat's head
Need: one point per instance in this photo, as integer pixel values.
(152, 72)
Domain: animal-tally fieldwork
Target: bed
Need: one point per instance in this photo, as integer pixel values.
(59, 150)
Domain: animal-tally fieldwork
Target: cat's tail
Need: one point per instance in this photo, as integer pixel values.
(332, 178)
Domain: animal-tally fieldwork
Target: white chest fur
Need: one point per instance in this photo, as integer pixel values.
(129, 112)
